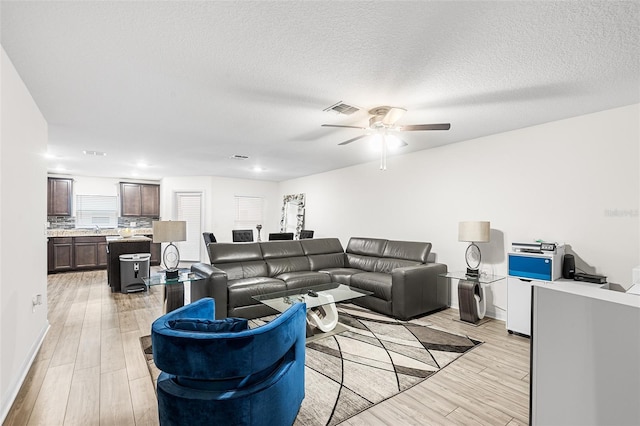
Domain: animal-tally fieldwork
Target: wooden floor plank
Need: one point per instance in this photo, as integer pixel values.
(115, 399)
(50, 406)
(83, 407)
(143, 399)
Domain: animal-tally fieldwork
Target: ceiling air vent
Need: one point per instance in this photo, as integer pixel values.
(239, 157)
(342, 108)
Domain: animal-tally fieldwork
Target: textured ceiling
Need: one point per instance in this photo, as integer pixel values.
(183, 86)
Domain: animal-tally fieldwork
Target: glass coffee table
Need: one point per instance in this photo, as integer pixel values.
(321, 300)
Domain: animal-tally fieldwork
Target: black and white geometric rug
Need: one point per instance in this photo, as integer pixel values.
(376, 358)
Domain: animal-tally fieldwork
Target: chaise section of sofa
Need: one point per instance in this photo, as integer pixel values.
(403, 282)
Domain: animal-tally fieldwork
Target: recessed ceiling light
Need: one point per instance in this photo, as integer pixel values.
(95, 153)
(258, 169)
(142, 164)
(239, 157)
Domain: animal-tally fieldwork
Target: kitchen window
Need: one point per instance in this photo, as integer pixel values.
(96, 210)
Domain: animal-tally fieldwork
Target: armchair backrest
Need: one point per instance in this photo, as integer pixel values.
(222, 355)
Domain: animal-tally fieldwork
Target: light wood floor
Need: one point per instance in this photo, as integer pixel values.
(91, 371)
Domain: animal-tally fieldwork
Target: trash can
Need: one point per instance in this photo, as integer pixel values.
(134, 267)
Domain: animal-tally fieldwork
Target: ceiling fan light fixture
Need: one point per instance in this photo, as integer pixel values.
(393, 142)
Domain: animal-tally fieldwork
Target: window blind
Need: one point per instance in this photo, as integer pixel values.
(100, 210)
(248, 212)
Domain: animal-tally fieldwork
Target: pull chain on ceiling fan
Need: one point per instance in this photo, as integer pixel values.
(383, 119)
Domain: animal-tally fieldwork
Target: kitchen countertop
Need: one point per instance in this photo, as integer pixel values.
(132, 239)
(88, 232)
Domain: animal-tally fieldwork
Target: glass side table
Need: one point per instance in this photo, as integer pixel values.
(472, 302)
(173, 289)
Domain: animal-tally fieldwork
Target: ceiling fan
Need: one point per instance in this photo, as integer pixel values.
(383, 122)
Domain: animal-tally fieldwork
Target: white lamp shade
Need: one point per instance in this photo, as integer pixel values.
(476, 232)
(169, 231)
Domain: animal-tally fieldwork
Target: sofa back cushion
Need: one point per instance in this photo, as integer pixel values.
(366, 263)
(363, 253)
(407, 250)
(324, 253)
(284, 256)
(366, 246)
(233, 252)
(239, 260)
(398, 254)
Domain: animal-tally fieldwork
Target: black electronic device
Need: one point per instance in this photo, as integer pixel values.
(568, 266)
(312, 293)
(590, 278)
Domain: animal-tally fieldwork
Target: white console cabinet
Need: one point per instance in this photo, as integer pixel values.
(519, 304)
(525, 270)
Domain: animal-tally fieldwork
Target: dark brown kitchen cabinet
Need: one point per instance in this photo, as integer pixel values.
(61, 254)
(150, 195)
(76, 253)
(139, 200)
(87, 252)
(59, 196)
(156, 255)
(103, 257)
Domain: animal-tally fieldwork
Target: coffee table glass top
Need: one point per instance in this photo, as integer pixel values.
(482, 279)
(282, 300)
(184, 275)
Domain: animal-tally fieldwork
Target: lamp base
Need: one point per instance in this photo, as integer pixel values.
(474, 273)
(171, 274)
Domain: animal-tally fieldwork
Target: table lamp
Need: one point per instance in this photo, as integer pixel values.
(170, 231)
(474, 232)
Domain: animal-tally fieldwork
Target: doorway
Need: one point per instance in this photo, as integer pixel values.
(189, 209)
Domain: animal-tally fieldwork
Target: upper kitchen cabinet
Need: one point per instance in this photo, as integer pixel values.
(140, 199)
(59, 195)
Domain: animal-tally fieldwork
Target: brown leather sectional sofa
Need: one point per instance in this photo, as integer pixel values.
(403, 280)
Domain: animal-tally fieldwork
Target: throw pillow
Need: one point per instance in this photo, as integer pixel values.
(227, 325)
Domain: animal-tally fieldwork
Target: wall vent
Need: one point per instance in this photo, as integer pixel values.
(342, 108)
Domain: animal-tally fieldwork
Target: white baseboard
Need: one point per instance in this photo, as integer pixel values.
(14, 388)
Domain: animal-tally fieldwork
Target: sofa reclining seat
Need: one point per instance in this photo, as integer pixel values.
(222, 373)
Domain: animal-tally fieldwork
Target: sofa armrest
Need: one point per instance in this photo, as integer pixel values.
(214, 285)
(416, 290)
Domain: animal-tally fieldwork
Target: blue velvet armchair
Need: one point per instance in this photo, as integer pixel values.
(221, 372)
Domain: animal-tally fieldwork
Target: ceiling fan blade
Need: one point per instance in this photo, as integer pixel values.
(349, 127)
(393, 115)
(411, 127)
(352, 140)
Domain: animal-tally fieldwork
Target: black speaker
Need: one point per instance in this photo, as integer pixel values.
(568, 266)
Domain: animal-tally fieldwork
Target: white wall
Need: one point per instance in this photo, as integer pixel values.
(574, 181)
(23, 212)
(219, 206)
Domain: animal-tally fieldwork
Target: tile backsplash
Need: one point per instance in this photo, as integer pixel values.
(69, 222)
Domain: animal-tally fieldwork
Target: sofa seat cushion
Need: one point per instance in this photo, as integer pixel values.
(302, 279)
(341, 275)
(376, 282)
(241, 291)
